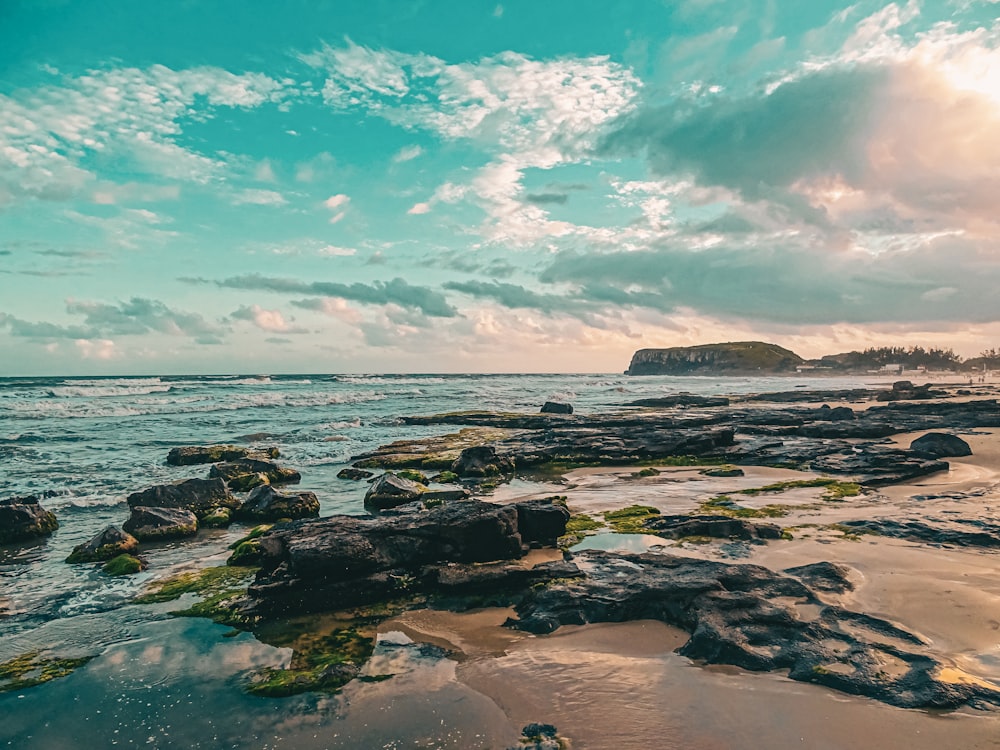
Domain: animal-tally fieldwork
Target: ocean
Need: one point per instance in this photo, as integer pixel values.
(161, 681)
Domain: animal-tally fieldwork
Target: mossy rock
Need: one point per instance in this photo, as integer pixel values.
(725, 470)
(632, 519)
(246, 553)
(255, 532)
(413, 475)
(123, 565)
(31, 668)
(208, 581)
(246, 482)
(217, 518)
(649, 471)
(445, 477)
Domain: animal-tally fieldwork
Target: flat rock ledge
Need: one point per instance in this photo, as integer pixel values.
(756, 619)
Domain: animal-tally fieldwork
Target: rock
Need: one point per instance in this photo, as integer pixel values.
(541, 737)
(151, 524)
(210, 454)
(837, 414)
(902, 385)
(964, 532)
(681, 399)
(413, 475)
(754, 357)
(716, 527)
(345, 561)
(123, 565)
(266, 504)
(726, 470)
(541, 522)
(23, 518)
(217, 518)
(355, 475)
(754, 618)
(243, 472)
(390, 490)
(824, 576)
(436, 497)
(556, 407)
(482, 461)
(109, 543)
(200, 496)
(940, 445)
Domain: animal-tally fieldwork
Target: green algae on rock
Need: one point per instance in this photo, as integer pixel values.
(630, 520)
(123, 565)
(208, 581)
(31, 668)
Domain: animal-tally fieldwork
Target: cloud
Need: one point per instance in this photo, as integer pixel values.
(408, 153)
(527, 113)
(267, 320)
(257, 197)
(397, 291)
(139, 316)
(336, 201)
(335, 251)
(545, 199)
(419, 208)
(48, 133)
(97, 349)
(334, 307)
(515, 296)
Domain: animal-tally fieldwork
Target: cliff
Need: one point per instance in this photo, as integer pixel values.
(733, 358)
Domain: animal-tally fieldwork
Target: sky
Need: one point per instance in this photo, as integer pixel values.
(216, 186)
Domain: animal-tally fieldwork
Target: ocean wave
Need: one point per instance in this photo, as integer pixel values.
(65, 409)
(107, 391)
(342, 425)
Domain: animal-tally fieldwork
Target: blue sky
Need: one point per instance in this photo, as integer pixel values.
(209, 186)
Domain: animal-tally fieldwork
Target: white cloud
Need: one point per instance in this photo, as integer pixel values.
(335, 251)
(272, 321)
(419, 208)
(46, 133)
(336, 201)
(409, 153)
(97, 348)
(256, 197)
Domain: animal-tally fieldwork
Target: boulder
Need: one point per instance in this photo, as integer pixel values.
(940, 445)
(344, 561)
(556, 407)
(123, 565)
(217, 518)
(200, 496)
(716, 527)
(836, 414)
(482, 461)
(541, 522)
(150, 524)
(244, 471)
(23, 518)
(109, 543)
(390, 490)
(267, 504)
(353, 474)
(726, 470)
(209, 454)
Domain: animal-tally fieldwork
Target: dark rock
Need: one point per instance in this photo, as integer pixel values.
(717, 527)
(236, 472)
(390, 490)
(216, 518)
(200, 496)
(444, 496)
(266, 504)
(754, 618)
(904, 390)
(940, 445)
(344, 561)
(23, 518)
(556, 407)
(540, 737)
(824, 576)
(109, 543)
(837, 414)
(210, 454)
(353, 474)
(876, 465)
(726, 470)
(482, 461)
(151, 524)
(681, 399)
(541, 522)
(966, 532)
(803, 396)
(902, 385)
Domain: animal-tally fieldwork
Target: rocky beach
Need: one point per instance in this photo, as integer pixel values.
(833, 549)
